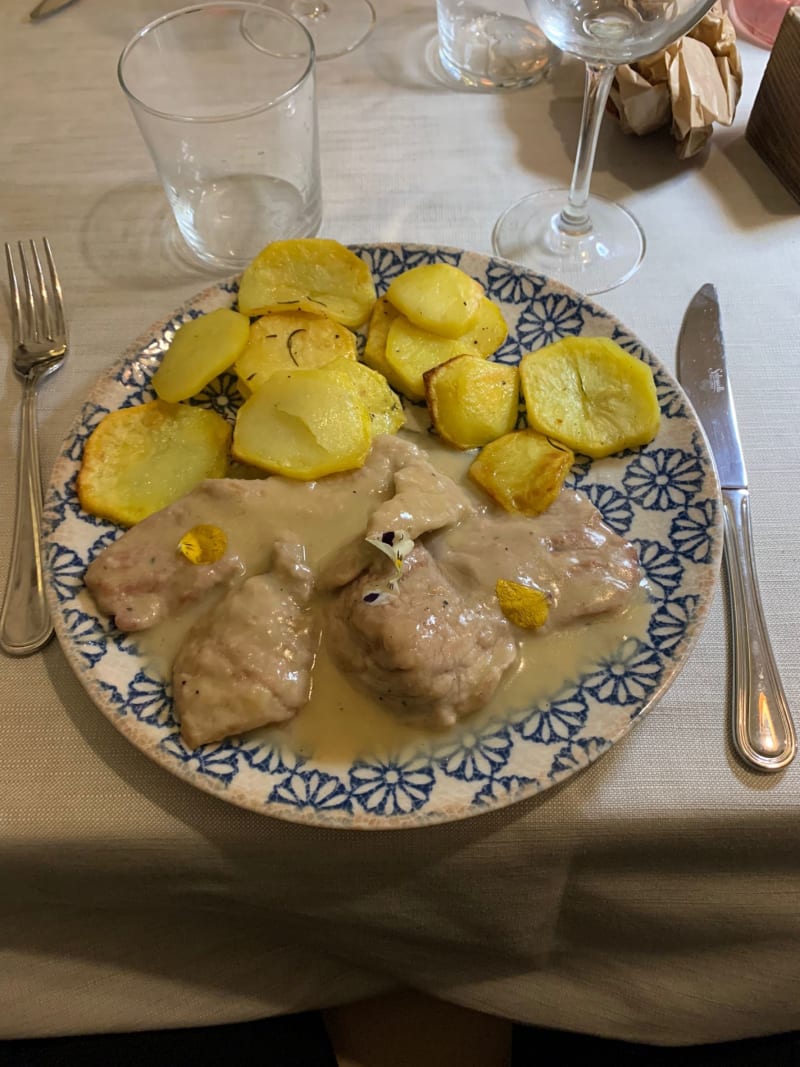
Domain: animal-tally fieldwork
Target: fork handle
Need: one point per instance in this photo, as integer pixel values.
(763, 733)
(25, 624)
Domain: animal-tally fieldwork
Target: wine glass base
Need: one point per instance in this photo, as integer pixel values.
(593, 262)
(336, 26)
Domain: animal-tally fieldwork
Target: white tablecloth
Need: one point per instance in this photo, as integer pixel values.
(655, 896)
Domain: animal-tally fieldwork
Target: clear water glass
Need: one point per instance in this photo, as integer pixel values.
(492, 48)
(224, 96)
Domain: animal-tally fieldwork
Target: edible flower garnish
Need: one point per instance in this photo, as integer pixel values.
(203, 544)
(522, 605)
(396, 544)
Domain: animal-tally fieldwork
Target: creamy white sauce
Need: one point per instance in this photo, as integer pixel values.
(340, 723)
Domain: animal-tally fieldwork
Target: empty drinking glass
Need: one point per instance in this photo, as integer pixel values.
(224, 96)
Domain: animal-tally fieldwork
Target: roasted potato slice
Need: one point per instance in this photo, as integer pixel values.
(488, 333)
(201, 349)
(140, 459)
(523, 471)
(411, 351)
(591, 394)
(437, 297)
(308, 274)
(302, 424)
(374, 355)
(472, 401)
(283, 340)
(383, 405)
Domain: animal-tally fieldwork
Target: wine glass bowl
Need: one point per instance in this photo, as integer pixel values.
(587, 242)
(615, 31)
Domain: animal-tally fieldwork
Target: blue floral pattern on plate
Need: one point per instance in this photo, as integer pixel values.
(663, 497)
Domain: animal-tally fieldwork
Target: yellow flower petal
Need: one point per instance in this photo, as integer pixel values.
(522, 605)
(203, 544)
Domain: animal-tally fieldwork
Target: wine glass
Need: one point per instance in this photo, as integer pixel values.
(336, 26)
(588, 242)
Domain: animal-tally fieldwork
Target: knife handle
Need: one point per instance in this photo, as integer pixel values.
(763, 733)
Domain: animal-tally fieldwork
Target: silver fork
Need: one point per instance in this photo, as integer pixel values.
(40, 345)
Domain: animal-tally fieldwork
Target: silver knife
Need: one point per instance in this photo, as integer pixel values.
(763, 733)
(47, 8)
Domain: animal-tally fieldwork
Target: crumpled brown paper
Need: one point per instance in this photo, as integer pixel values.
(692, 84)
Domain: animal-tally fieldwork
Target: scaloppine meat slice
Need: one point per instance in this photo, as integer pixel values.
(427, 653)
(247, 662)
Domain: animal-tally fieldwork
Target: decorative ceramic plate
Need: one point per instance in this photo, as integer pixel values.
(664, 498)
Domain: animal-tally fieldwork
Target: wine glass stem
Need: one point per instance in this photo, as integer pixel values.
(574, 219)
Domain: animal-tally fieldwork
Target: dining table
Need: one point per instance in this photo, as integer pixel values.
(653, 896)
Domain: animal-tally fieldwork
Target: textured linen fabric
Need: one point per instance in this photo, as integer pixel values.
(655, 896)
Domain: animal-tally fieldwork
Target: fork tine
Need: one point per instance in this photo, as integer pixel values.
(41, 308)
(16, 324)
(58, 310)
(27, 323)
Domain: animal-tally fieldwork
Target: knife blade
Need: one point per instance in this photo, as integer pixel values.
(46, 8)
(763, 732)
